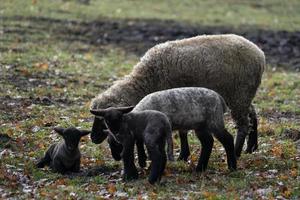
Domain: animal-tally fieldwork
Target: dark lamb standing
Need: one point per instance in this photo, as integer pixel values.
(64, 156)
(151, 128)
(189, 108)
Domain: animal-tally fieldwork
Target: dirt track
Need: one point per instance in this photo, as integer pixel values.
(281, 47)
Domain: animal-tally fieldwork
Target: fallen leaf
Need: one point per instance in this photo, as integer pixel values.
(111, 188)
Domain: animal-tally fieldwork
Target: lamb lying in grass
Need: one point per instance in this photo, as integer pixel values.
(195, 108)
(64, 156)
(150, 127)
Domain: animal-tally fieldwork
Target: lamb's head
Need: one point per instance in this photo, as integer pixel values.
(112, 116)
(71, 136)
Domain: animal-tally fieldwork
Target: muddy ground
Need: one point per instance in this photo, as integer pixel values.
(282, 48)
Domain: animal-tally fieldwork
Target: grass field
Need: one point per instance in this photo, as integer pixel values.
(48, 77)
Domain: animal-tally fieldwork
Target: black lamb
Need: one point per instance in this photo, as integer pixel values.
(149, 127)
(64, 156)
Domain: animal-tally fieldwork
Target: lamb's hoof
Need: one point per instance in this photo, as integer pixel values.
(251, 148)
(183, 157)
(171, 158)
(153, 180)
(142, 164)
(131, 176)
(40, 164)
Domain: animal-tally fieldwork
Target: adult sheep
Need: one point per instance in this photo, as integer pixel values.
(228, 64)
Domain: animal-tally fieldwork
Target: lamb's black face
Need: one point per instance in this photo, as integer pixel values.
(98, 134)
(71, 136)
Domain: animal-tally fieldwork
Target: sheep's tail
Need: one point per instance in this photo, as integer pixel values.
(170, 145)
(223, 104)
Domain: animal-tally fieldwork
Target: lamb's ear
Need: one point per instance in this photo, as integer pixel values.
(125, 109)
(59, 130)
(100, 112)
(84, 132)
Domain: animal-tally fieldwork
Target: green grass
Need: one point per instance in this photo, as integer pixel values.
(35, 63)
(266, 14)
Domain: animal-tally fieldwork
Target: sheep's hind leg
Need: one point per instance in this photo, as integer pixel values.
(242, 123)
(156, 161)
(227, 141)
(252, 143)
(142, 157)
(184, 145)
(207, 142)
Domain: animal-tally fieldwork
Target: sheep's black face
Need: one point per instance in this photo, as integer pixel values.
(71, 136)
(98, 134)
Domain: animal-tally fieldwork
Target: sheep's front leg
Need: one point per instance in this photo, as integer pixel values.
(252, 143)
(142, 157)
(207, 142)
(130, 171)
(184, 145)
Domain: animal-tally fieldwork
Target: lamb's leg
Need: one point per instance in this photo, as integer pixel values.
(130, 171)
(184, 145)
(76, 166)
(58, 166)
(46, 160)
(164, 159)
(169, 141)
(156, 160)
(207, 142)
(142, 157)
(252, 143)
(227, 141)
(242, 123)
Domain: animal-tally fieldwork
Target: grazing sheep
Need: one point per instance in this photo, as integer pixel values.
(188, 108)
(228, 64)
(64, 156)
(150, 127)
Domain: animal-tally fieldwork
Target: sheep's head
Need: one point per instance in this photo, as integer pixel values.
(71, 136)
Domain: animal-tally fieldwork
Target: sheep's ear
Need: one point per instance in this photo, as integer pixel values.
(100, 112)
(125, 109)
(84, 132)
(59, 130)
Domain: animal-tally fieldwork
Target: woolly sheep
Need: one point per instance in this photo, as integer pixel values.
(150, 127)
(228, 64)
(195, 108)
(65, 155)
